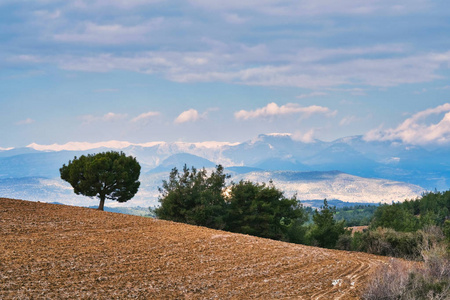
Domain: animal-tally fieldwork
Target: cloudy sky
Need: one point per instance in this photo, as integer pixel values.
(214, 70)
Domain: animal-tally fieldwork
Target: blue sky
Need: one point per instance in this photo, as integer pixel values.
(202, 70)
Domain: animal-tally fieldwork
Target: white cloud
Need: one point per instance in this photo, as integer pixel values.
(348, 120)
(315, 8)
(102, 4)
(418, 129)
(223, 66)
(313, 94)
(234, 19)
(272, 110)
(109, 117)
(309, 68)
(26, 58)
(48, 15)
(80, 146)
(190, 115)
(25, 122)
(114, 144)
(113, 117)
(352, 91)
(315, 54)
(305, 137)
(146, 116)
(93, 33)
(143, 63)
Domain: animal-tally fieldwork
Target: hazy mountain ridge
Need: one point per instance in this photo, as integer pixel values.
(306, 185)
(353, 155)
(335, 185)
(393, 171)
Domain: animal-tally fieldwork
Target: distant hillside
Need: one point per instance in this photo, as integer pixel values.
(428, 168)
(59, 251)
(370, 172)
(307, 185)
(180, 160)
(335, 185)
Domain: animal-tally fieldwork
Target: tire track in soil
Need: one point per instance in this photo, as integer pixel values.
(346, 282)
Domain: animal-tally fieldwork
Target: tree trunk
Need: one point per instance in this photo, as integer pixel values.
(102, 203)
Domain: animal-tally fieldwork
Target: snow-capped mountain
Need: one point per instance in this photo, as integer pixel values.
(306, 185)
(368, 162)
(335, 185)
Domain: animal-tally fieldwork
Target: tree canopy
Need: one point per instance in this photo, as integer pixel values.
(194, 197)
(326, 230)
(108, 175)
(262, 210)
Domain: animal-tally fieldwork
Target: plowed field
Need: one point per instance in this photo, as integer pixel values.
(56, 251)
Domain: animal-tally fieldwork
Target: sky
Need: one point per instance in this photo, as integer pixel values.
(214, 70)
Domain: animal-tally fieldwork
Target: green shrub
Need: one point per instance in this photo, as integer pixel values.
(345, 242)
(388, 242)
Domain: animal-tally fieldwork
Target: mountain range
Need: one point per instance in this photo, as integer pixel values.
(349, 169)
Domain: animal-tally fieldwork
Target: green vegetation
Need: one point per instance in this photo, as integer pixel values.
(358, 215)
(108, 175)
(402, 229)
(412, 215)
(402, 280)
(326, 231)
(261, 210)
(398, 230)
(195, 198)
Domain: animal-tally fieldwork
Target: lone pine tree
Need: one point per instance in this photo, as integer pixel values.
(108, 175)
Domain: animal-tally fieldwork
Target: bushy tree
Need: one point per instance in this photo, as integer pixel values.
(193, 197)
(108, 175)
(395, 216)
(262, 210)
(326, 231)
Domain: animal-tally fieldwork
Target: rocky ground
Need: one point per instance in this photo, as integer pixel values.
(57, 251)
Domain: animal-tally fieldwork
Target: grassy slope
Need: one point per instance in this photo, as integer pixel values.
(58, 251)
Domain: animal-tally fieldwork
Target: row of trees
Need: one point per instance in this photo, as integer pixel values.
(194, 197)
(409, 216)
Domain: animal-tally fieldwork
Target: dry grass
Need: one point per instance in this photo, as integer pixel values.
(413, 280)
(57, 251)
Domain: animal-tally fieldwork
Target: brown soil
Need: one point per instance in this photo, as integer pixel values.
(57, 251)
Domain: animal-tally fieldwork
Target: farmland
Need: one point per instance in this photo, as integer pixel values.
(58, 251)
